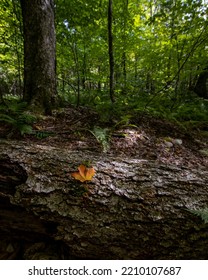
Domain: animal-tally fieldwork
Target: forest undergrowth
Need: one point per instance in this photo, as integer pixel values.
(180, 138)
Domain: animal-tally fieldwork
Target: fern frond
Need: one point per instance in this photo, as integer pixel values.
(14, 114)
(202, 213)
(7, 119)
(26, 118)
(102, 136)
(25, 129)
(17, 107)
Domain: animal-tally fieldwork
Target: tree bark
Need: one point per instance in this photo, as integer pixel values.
(132, 208)
(110, 49)
(39, 54)
(201, 88)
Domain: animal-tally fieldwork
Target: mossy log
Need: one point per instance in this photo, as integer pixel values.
(132, 208)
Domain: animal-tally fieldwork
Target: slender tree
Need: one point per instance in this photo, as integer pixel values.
(110, 49)
(39, 54)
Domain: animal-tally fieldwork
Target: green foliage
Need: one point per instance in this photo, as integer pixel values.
(42, 134)
(102, 136)
(202, 213)
(124, 121)
(195, 109)
(11, 47)
(188, 112)
(159, 51)
(14, 114)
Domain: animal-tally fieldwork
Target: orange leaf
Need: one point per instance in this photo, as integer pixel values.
(77, 176)
(84, 174)
(82, 170)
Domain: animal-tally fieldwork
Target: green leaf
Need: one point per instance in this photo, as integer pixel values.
(203, 213)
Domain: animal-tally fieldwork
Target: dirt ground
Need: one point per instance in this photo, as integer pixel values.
(142, 137)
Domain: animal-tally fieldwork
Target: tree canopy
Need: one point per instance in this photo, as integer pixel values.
(159, 51)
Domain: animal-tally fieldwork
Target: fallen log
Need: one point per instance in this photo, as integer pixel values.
(132, 208)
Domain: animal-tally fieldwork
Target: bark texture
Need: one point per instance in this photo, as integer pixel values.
(110, 50)
(201, 87)
(39, 53)
(132, 209)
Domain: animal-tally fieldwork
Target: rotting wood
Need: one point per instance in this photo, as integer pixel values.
(132, 209)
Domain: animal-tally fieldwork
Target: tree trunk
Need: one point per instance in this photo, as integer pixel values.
(132, 208)
(39, 54)
(110, 50)
(124, 42)
(201, 87)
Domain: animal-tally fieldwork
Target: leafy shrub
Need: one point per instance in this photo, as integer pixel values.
(189, 112)
(14, 114)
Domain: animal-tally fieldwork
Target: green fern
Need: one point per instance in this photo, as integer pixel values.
(203, 213)
(42, 134)
(14, 114)
(102, 136)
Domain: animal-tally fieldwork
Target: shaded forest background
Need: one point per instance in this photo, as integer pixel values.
(159, 53)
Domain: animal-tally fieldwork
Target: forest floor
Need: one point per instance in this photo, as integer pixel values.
(142, 137)
(139, 137)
